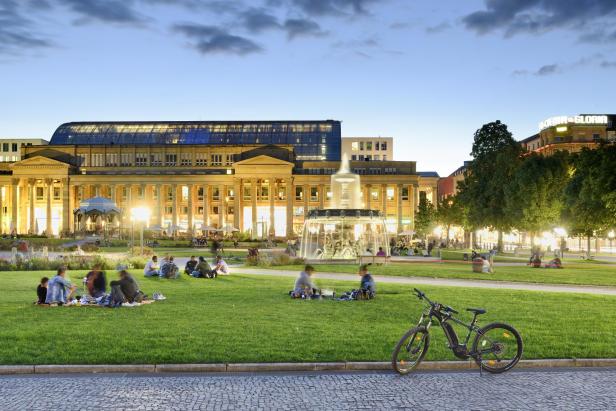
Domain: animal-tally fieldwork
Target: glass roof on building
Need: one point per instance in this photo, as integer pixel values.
(312, 139)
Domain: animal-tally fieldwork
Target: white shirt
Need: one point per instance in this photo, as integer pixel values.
(222, 267)
(150, 266)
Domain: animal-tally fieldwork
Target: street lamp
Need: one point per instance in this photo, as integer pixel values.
(611, 236)
(142, 215)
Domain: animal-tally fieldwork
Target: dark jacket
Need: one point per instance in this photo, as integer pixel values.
(96, 283)
(41, 293)
(129, 287)
(190, 266)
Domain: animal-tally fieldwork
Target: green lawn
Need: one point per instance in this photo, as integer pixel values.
(588, 274)
(251, 319)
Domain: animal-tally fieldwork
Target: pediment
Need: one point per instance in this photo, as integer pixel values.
(39, 162)
(263, 160)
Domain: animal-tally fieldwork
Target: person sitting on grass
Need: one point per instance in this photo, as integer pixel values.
(59, 290)
(221, 267)
(168, 269)
(126, 289)
(190, 265)
(41, 291)
(555, 263)
(203, 270)
(151, 267)
(367, 286)
(304, 287)
(96, 282)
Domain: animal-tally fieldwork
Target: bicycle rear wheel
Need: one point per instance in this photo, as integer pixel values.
(497, 347)
(410, 350)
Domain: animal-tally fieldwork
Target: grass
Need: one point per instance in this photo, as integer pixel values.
(251, 319)
(581, 274)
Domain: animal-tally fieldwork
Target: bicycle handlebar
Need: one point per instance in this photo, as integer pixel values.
(422, 296)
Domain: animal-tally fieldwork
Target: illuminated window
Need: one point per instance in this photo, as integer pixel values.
(215, 193)
(314, 194)
(299, 193)
(184, 193)
(264, 191)
(374, 194)
(354, 146)
(156, 160)
(390, 193)
(126, 159)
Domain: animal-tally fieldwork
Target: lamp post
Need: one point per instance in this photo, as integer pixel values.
(141, 215)
(611, 236)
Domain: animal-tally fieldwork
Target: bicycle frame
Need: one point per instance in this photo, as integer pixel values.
(459, 350)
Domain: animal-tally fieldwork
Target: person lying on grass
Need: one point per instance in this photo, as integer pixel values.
(304, 287)
(41, 291)
(96, 282)
(60, 290)
(367, 286)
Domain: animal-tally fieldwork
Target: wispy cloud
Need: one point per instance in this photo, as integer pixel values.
(211, 39)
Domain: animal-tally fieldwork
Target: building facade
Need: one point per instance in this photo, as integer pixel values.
(368, 148)
(261, 188)
(448, 186)
(10, 148)
(571, 133)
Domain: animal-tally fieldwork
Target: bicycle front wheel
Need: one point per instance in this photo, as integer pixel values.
(410, 350)
(497, 347)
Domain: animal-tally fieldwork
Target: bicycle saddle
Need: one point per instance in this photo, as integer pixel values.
(476, 311)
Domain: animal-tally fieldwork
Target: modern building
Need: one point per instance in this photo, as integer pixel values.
(571, 133)
(368, 148)
(259, 177)
(10, 148)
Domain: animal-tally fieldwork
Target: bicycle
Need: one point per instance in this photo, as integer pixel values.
(497, 347)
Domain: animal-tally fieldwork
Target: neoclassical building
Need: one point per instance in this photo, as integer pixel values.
(258, 177)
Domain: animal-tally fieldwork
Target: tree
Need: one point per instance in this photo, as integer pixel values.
(535, 195)
(450, 212)
(425, 218)
(496, 156)
(589, 193)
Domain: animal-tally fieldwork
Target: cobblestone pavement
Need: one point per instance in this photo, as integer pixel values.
(518, 390)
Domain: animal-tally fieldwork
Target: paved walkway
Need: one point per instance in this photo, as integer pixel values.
(523, 390)
(451, 282)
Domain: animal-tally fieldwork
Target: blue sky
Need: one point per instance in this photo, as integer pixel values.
(428, 73)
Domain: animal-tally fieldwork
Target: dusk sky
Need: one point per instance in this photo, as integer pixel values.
(428, 73)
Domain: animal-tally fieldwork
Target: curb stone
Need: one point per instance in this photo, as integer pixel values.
(285, 367)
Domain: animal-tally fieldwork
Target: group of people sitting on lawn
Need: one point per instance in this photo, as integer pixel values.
(535, 262)
(59, 290)
(306, 289)
(195, 268)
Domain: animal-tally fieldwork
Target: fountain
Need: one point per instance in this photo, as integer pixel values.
(346, 230)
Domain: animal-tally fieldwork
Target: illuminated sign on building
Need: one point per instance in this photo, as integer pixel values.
(559, 120)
